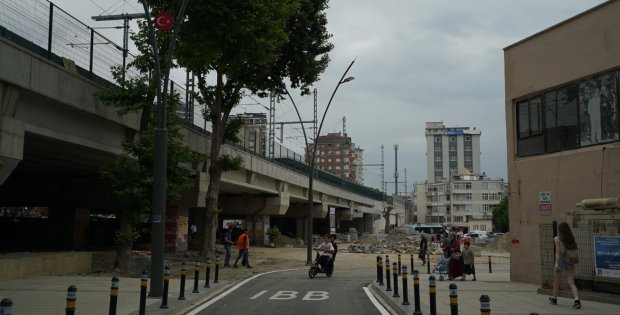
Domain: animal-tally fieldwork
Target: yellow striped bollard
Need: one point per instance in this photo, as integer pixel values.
(71, 300)
(113, 296)
(454, 301)
(485, 305)
(432, 293)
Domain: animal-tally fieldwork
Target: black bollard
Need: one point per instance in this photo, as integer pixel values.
(71, 300)
(144, 280)
(432, 295)
(399, 265)
(216, 278)
(196, 276)
(113, 295)
(490, 270)
(6, 306)
(183, 275)
(412, 267)
(164, 299)
(387, 273)
(454, 301)
(485, 305)
(428, 264)
(380, 270)
(395, 275)
(405, 293)
(416, 293)
(208, 274)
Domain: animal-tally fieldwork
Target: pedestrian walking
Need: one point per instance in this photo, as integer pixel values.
(469, 267)
(243, 245)
(423, 248)
(565, 243)
(228, 243)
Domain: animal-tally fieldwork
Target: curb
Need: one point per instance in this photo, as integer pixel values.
(385, 300)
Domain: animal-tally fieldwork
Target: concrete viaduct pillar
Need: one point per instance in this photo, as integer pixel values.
(11, 131)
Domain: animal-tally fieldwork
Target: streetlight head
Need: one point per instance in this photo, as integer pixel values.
(347, 80)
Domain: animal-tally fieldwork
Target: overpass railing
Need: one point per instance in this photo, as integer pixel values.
(47, 30)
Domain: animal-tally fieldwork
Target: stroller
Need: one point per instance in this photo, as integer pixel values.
(441, 267)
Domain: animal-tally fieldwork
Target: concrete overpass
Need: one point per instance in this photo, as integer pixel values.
(55, 135)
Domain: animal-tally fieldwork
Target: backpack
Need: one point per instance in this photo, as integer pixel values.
(571, 256)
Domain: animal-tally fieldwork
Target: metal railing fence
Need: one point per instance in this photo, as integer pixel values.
(586, 277)
(59, 35)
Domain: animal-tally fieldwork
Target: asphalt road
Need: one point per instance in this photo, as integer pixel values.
(293, 292)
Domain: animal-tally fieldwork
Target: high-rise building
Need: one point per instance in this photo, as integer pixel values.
(337, 154)
(451, 151)
(253, 131)
(456, 193)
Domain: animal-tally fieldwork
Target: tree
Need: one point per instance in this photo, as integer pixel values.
(500, 216)
(247, 46)
(131, 176)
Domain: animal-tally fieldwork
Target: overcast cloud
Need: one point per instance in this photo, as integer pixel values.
(417, 61)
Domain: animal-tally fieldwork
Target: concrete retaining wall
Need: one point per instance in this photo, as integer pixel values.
(43, 264)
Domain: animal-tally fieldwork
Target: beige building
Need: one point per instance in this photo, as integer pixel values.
(463, 201)
(562, 126)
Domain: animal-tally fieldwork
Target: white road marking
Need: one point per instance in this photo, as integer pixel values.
(376, 303)
(227, 292)
(316, 296)
(258, 294)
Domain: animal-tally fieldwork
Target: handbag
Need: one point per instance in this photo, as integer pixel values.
(571, 256)
(457, 255)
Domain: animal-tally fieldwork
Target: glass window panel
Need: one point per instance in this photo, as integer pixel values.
(534, 116)
(561, 124)
(598, 108)
(522, 109)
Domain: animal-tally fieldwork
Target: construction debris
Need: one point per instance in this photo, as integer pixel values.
(395, 242)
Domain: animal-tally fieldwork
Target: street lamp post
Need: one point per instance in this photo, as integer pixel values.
(311, 159)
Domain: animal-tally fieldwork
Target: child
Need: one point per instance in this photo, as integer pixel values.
(468, 262)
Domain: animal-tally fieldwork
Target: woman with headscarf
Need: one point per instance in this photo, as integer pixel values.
(455, 266)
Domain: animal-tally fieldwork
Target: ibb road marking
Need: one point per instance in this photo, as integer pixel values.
(289, 295)
(258, 294)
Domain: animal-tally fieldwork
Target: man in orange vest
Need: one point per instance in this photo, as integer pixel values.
(243, 245)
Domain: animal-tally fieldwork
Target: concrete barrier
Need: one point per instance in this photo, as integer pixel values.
(44, 264)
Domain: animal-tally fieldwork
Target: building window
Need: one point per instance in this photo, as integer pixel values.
(468, 196)
(452, 148)
(467, 185)
(468, 208)
(467, 148)
(467, 138)
(437, 139)
(468, 158)
(437, 149)
(438, 158)
(579, 114)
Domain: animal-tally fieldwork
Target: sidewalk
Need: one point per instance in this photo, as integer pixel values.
(506, 297)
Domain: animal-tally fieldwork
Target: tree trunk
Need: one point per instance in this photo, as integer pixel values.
(123, 244)
(210, 215)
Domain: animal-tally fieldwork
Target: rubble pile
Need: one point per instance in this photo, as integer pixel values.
(395, 242)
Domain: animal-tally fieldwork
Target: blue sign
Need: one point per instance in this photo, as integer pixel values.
(607, 256)
(454, 132)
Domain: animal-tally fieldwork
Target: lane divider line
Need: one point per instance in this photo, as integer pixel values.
(375, 302)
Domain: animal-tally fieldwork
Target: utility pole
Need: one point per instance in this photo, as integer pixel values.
(272, 125)
(396, 170)
(126, 17)
(343, 141)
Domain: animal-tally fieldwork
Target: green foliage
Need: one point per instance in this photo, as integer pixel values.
(501, 218)
(131, 176)
(126, 238)
(274, 233)
(230, 163)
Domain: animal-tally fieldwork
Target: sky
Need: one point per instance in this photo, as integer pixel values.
(415, 61)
